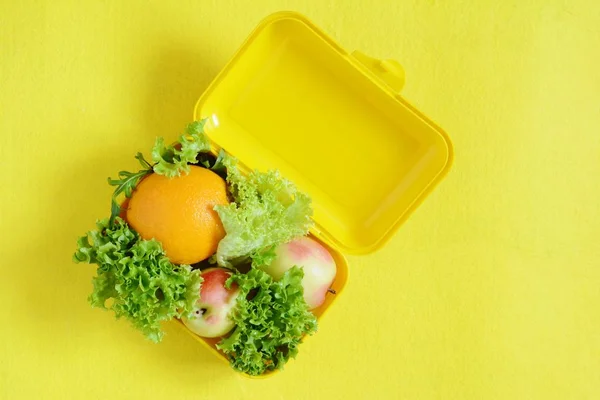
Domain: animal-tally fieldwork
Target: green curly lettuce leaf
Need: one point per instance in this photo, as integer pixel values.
(267, 210)
(271, 319)
(264, 257)
(215, 164)
(145, 287)
(173, 160)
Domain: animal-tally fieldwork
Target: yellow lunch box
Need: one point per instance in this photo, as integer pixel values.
(333, 123)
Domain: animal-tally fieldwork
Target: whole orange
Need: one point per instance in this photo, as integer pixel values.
(179, 213)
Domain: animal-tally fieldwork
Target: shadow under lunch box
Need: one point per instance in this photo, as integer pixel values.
(333, 123)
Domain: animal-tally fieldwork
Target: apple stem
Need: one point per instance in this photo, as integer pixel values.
(330, 290)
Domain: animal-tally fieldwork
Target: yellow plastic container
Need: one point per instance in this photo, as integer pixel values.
(332, 122)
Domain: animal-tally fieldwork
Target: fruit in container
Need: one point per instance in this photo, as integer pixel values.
(316, 261)
(179, 213)
(212, 319)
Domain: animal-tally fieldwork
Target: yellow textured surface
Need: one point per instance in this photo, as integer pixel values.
(490, 291)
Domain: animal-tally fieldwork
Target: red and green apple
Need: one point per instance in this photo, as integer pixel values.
(316, 261)
(215, 304)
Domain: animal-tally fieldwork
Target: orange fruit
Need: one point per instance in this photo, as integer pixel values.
(179, 213)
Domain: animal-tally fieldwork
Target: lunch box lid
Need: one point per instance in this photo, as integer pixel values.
(333, 123)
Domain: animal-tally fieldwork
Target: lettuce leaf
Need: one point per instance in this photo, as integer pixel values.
(145, 287)
(171, 161)
(271, 319)
(267, 210)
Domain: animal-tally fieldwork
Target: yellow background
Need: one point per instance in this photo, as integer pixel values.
(490, 291)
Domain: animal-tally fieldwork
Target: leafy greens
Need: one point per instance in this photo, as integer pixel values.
(271, 319)
(145, 287)
(171, 161)
(267, 210)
